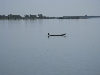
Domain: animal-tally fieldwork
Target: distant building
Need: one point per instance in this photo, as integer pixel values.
(40, 16)
(14, 16)
(26, 17)
(3, 17)
(33, 16)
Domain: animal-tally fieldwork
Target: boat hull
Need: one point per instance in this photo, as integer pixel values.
(57, 35)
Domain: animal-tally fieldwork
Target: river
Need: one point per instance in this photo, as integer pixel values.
(26, 49)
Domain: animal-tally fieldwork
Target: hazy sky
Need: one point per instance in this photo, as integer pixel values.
(50, 7)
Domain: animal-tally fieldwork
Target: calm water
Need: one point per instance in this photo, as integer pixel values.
(25, 48)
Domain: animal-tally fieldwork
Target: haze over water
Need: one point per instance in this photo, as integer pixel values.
(25, 48)
(51, 8)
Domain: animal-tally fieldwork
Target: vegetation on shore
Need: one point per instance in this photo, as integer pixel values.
(40, 16)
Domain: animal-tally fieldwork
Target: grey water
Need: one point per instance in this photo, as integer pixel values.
(26, 49)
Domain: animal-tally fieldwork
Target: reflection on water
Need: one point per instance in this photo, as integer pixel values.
(26, 49)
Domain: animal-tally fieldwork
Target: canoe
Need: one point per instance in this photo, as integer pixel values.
(57, 35)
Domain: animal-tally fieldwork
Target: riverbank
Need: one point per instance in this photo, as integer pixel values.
(40, 16)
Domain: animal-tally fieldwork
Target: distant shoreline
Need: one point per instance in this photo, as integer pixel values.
(40, 16)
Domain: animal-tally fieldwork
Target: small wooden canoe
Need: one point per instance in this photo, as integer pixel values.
(57, 35)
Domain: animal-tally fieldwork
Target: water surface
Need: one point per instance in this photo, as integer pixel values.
(25, 48)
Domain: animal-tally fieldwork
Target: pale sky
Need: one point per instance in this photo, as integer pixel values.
(50, 8)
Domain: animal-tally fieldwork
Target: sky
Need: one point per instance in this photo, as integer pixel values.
(56, 8)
